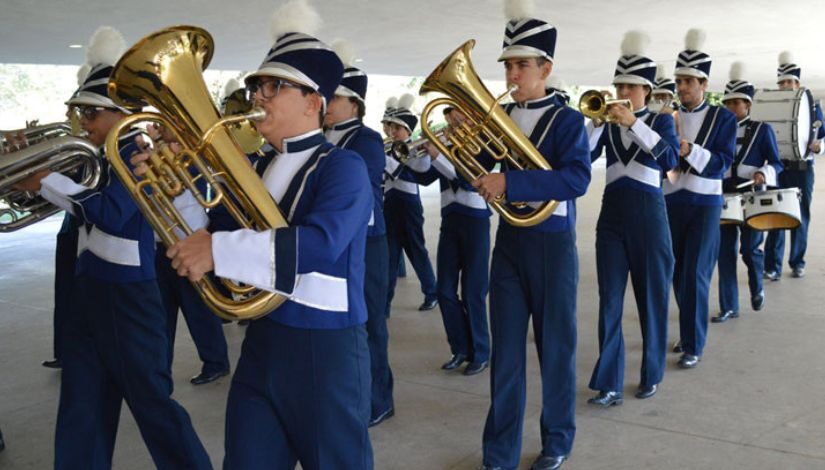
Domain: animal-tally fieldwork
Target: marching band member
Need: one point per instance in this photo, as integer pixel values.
(632, 235)
(796, 174)
(693, 192)
(534, 270)
(178, 293)
(301, 387)
(346, 129)
(116, 348)
(403, 212)
(662, 94)
(390, 107)
(757, 160)
(462, 259)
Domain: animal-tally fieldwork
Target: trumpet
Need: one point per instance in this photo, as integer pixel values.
(404, 152)
(594, 105)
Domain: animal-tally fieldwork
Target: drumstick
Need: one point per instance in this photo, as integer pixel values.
(745, 184)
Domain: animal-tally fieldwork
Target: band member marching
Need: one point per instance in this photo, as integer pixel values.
(756, 160)
(632, 235)
(534, 270)
(116, 348)
(301, 387)
(693, 192)
(346, 129)
(664, 89)
(796, 174)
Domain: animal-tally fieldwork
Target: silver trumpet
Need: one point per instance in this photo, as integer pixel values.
(24, 152)
(404, 152)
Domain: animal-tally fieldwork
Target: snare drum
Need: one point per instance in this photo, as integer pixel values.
(732, 212)
(791, 114)
(775, 209)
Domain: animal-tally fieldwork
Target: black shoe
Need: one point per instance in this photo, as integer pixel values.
(646, 391)
(548, 463)
(2, 442)
(53, 364)
(677, 347)
(772, 275)
(205, 378)
(382, 417)
(688, 361)
(758, 301)
(474, 368)
(606, 399)
(454, 362)
(724, 316)
(428, 305)
(798, 272)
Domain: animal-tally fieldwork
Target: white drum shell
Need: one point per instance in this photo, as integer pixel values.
(774, 209)
(732, 211)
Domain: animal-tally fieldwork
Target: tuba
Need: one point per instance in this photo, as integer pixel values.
(164, 70)
(488, 128)
(24, 152)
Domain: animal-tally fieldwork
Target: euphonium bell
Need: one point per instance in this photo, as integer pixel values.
(488, 128)
(244, 132)
(594, 105)
(164, 70)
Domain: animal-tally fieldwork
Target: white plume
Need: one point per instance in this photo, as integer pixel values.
(695, 39)
(82, 73)
(106, 46)
(406, 101)
(519, 9)
(344, 50)
(294, 16)
(554, 81)
(392, 102)
(231, 86)
(661, 71)
(786, 57)
(737, 71)
(635, 43)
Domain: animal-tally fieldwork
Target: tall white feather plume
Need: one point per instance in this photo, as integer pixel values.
(344, 50)
(786, 57)
(106, 46)
(635, 43)
(392, 102)
(231, 87)
(519, 9)
(294, 16)
(406, 101)
(82, 73)
(695, 39)
(661, 72)
(737, 71)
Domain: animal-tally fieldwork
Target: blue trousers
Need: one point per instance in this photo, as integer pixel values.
(729, 240)
(116, 349)
(463, 260)
(375, 293)
(632, 236)
(694, 231)
(405, 231)
(775, 244)
(65, 256)
(299, 395)
(205, 327)
(532, 273)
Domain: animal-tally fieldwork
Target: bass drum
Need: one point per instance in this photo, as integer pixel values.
(791, 114)
(771, 210)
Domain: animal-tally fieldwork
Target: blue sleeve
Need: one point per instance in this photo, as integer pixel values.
(568, 154)
(723, 147)
(426, 178)
(769, 149)
(110, 207)
(820, 133)
(341, 209)
(666, 151)
(371, 148)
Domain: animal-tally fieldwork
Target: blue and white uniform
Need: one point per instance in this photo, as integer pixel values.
(632, 236)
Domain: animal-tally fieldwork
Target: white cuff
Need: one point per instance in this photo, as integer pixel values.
(245, 256)
(770, 174)
(644, 136)
(698, 157)
(420, 164)
(444, 167)
(594, 134)
(56, 188)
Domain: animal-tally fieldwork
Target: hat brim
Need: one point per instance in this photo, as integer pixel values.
(690, 72)
(631, 80)
(93, 99)
(523, 52)
(736, 96)
(400, 122)
(782, 78)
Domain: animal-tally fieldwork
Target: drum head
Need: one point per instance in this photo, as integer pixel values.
(772, 221)
(805, 118)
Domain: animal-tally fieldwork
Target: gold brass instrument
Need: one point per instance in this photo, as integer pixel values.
(24, 152)
(594, 105)
(244, 132)
(404, 152)
(487, 128)
(164, 70)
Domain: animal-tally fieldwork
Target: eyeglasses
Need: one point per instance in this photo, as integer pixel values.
(87, 112)
(269, 88)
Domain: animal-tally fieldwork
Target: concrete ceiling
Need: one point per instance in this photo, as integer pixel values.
(410, 37)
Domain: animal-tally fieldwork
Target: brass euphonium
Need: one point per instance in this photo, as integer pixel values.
(164, 70)
(594, 105)
(244, 132)
(488, 128)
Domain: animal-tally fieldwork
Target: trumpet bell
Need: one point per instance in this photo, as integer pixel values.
(593, 104)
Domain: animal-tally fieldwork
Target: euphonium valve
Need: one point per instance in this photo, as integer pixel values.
(594, 105)
(164, 70)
